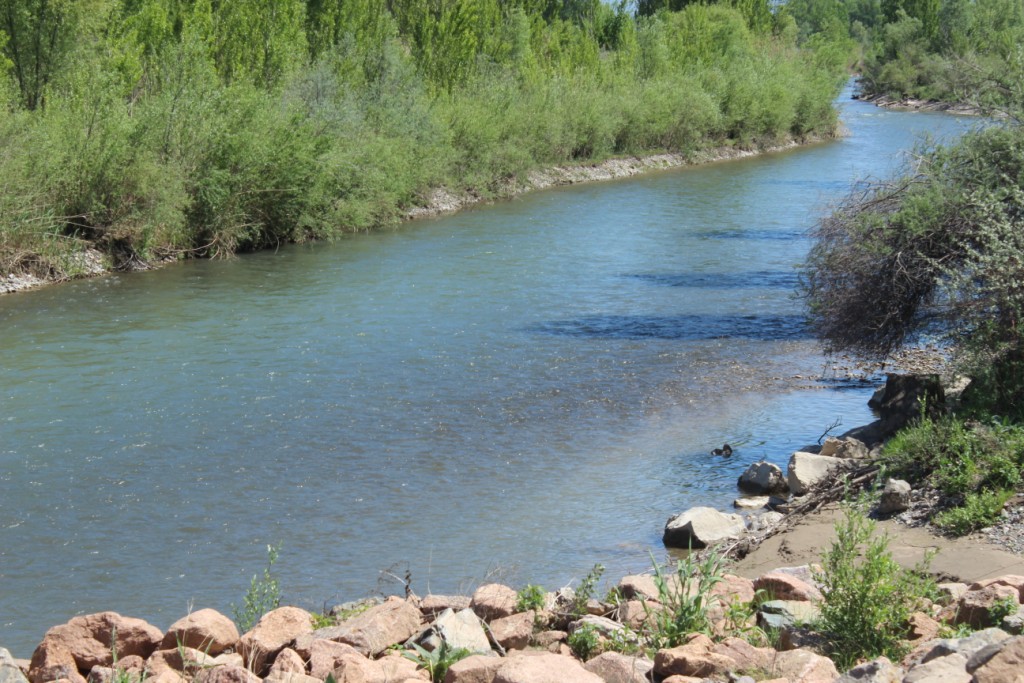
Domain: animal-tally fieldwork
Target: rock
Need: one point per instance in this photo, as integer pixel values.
(324, 655)
(745, 656)
(9, 670)
(1011, 580)
(638, 586)
(473, 669)
(780, 614)
(1005, 666)
(694, 658)
(845, 447)
(975, 607)
(1014, 623)
(734, 588)
(797, 637)
(183, 660)
(226, 674)
(633, 613)
(544, 668)
(88, 640)
(966, 646)
(763, 521)
(275, 630)
(879, 670)
(168, 676)
(207, 630)
(751, 502)
(287, 661)
(461, 630)
(763, 478)
(806, 470)
(701, 526)
(432, 605)
(804, 666)
(901, 399)
(614, 667)
(513, 632)
(298, 678)
(494, 601)
(951, 668)
(922, 628)
(895, 497)
(378, 628)
(545, 639)
(785, 586)
(950, 592)
(360, 669)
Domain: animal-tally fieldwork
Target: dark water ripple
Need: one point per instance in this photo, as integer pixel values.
(681, 327)
(761, 279)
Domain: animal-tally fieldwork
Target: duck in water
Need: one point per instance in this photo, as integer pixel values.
(725, 450)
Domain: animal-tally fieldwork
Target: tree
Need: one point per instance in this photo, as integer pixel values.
(937, 251)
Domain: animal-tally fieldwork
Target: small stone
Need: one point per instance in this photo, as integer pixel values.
(895, 497)
(763, 478)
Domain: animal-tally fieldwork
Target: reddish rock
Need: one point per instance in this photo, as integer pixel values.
(360, 669)
(1006, 666)
(804, 666)
(780, 586)
(186, 660)
(378, 628)
(546, 639)
(324, 656)
(635, 612)
(226, 674)
(88, 639)
(975, 606)
(685, 679)
(473, 669)
(746, 656)
(638, 586)
(287, 661)
(513, 633)
(949, 593)
(167, 676)
(52, 660)
(295, 678)
(432, 605)
(544, 668)
(494, 601)
(614, 667)
(922, 628)
(948, 669)
(1011, 580)
(695, 658)
(207, 630)
(734, 589)
(271, 634)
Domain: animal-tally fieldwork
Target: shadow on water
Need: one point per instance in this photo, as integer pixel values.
(681, 327)
(762, 279)
(751, 234)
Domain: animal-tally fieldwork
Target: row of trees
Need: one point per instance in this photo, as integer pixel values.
(947, 50)
(162, 128)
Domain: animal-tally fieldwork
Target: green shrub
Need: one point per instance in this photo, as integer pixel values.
(685, 597)
(867, 597)
(585, 642)
(977, 511)
(437, 661)
(586, 591)
(531, 597)
(263, 595)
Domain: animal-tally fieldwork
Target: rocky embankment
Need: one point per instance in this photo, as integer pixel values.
(503, 644)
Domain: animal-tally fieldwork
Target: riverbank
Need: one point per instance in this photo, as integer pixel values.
(442, 201)
(912, 104)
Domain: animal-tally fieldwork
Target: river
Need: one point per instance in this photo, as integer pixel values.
(515, 392)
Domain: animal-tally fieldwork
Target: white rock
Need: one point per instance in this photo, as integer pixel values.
(698, 527)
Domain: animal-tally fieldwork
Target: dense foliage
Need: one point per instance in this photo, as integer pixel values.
(162, 128)
(946, 50)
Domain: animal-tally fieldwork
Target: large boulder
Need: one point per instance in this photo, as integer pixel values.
(544, 668)
(807, 469)
(895, 497)
(763, 478)
(845, 447)
(978, 608)
(700, 527)
(804, 666)
(615, 667)
(432, 605)
(513, 633)
(903, 396)
(1005, 666)
(378, 628)
(696, 657)
(473, 669)
(9, 671)
(89, 640)
(462, 630)
(272, 633)
(324, 655)
(207, 630)
(387, 669)
(494, 601)
(779, 585)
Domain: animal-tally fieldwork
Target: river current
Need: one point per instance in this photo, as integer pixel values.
(517, 392)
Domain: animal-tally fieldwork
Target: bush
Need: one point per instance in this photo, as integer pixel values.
(867, 598)
(686, 598)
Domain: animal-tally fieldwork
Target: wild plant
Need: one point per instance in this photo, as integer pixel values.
(438, 661)
(867, 597)
(686, 597)
(586, 591)
(530, 597)
(263, 595)
(585, 641)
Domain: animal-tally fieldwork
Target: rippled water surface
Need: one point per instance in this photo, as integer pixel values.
(520, 390)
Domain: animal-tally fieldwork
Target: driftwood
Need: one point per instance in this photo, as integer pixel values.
(821, 494)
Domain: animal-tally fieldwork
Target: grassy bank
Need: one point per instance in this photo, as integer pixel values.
(195, 129)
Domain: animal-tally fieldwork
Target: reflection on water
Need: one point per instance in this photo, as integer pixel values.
(521, 390)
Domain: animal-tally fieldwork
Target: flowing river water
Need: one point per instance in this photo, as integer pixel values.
(518, 391)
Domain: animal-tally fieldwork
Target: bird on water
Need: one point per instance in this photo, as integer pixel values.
(725, 450)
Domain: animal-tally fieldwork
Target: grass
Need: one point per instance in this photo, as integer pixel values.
(975, 465)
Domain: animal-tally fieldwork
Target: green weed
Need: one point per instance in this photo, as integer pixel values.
(438, 661)
(585, 642)
(530, 597)
(685, 596)
(263, 595)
